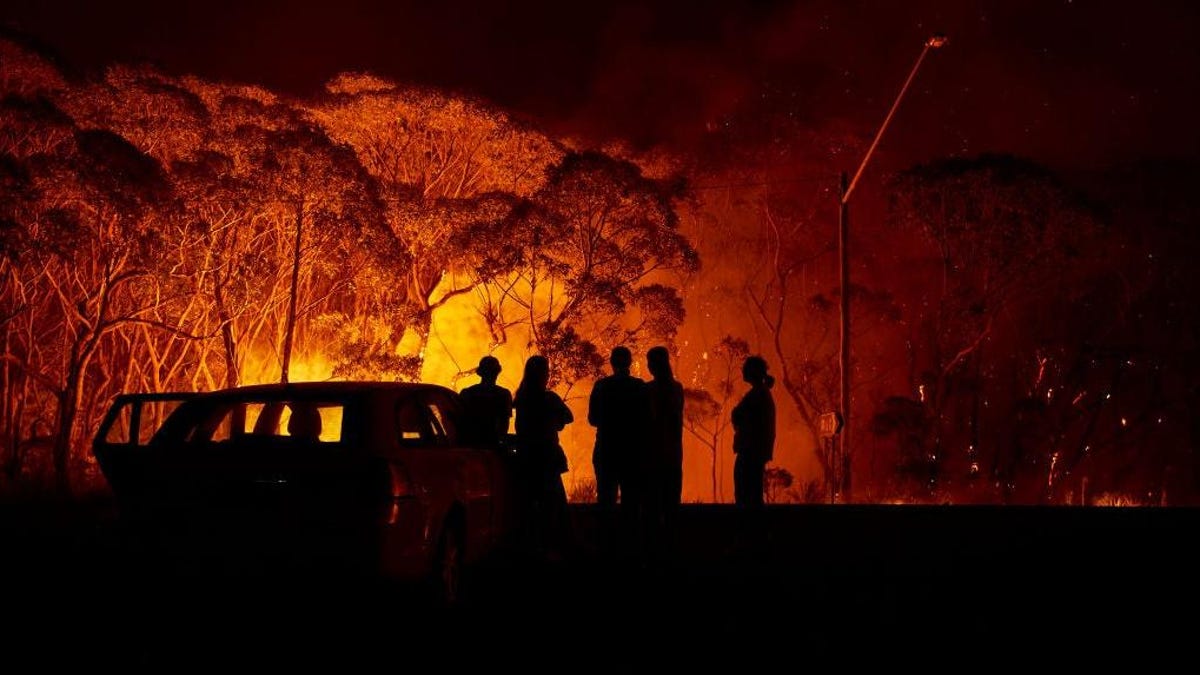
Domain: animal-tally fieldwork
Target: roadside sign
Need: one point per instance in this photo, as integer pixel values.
(829, 424)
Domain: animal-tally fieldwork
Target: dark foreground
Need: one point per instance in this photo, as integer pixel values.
(902, 584)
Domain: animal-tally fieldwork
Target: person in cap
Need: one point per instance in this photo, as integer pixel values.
(487, 406)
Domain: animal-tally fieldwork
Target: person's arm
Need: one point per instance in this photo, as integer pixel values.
(502, 421)
(769, 429)
(557, 412)
(762, 424)
(595, 405)
(738, 416)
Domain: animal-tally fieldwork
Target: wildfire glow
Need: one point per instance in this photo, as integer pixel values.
(1110, 499)
(169, 233)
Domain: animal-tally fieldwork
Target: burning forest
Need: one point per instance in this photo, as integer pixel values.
(1022, 335)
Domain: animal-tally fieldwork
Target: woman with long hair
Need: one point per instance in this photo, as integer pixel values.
(541, 414)
(664, 472)
(753, 433)
(666, 428)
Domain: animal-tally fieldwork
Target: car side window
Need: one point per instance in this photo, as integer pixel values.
(444, 415)
(270, 421)
(413, 428)
(118, 431)
(301, 420)
(214, 425)
(154, 413)
(223, 431)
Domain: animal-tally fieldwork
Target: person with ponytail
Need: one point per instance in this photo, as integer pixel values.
(664, 459)
(666, 430)
(541, 414)
(753, 433)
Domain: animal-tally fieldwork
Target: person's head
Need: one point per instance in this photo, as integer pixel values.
(304, 422)
(537, 374)
(488, 369)
(658, 362)
(754, 371)
(621, 359)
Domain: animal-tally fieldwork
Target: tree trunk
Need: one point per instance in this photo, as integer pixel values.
(8, 430)
(227, 340)
(423, 326)
(290, 327)
(714, 472)
(17, 462)
(20, 391)
(68, 408)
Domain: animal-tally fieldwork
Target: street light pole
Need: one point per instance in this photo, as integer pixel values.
(844, 271)
(843, 440)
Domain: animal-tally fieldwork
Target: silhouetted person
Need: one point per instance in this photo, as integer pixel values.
(666, 426)
(665, 445)
(304, 424)
(487, 406)
(541, 414)
(618, 410)
(753, 433)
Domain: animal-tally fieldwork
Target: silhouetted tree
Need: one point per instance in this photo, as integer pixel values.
(777, 482)
(94, 234)
(25, 72)
(802, 327)
(145, 107)
(334, 212)
(705, 415)
(449, 169)
(583, 258)
(1003, 231)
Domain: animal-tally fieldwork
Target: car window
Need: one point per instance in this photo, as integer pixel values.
(331, 422)
(265, 420)
(222, 429)
(118, 431)
(256, 414)
(154, 413)
(413, 425)
(444, 415)
(311, 421)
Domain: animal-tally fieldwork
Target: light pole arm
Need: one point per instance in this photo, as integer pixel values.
(844, 275)
(886, 120)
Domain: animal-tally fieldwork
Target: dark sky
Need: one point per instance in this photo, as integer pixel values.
(1071, 82)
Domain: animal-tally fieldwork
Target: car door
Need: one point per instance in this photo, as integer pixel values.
(475, 470)
(420, 464)
(121, 442)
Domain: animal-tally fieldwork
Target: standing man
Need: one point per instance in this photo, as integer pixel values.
(618, 409)
(487, 406)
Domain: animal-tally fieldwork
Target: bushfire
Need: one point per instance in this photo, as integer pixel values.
(164, 233)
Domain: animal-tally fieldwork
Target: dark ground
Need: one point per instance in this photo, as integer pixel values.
(855, 583)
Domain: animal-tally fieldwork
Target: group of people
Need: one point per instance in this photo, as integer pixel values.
(638, 455)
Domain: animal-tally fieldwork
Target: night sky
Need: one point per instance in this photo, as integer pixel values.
(1071, 83)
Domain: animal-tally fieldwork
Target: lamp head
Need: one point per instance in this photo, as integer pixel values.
(936, 40)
